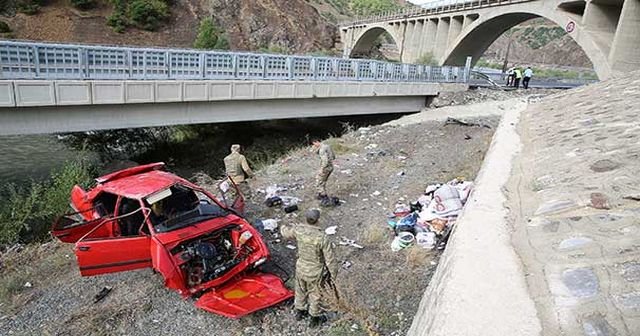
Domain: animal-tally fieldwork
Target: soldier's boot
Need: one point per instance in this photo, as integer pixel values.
(301, 314)
(316, 321)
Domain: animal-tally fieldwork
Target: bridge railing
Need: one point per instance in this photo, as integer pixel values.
(430, 8)
(26, 60)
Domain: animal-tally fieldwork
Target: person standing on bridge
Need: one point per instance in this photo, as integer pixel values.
(510, 75)
(326, 167)
(528, 73)
(518, 76)
(237, 168)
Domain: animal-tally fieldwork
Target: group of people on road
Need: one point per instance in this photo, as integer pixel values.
(515, 75)
(316, 266)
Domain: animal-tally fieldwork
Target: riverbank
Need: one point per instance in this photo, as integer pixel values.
(375, 168)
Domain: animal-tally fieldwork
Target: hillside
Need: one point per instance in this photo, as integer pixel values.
(275, 25)
(538, 41)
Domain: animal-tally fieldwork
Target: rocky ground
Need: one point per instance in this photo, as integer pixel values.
(576, 220)
(42, 292)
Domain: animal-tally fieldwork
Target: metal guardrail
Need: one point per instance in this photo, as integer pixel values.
(430, 8)
(26, 60)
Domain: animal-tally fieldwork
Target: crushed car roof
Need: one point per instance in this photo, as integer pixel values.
(141, 185)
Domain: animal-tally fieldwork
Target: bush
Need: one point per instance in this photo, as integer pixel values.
(4, 28)
(210, 36)
(148, 14)
(427, 59)
(371, 7)
(28, 212)
(83, 4)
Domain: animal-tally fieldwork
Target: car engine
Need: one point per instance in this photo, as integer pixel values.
(209, 257)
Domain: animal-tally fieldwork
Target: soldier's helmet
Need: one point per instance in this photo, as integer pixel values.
(312, 216)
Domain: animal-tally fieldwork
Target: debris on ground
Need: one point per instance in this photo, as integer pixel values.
(270, 224)
(344, 241)
(102, 294)
(428, 221)
(331, 230)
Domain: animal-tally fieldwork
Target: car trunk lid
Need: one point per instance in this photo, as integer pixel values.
(245, 295)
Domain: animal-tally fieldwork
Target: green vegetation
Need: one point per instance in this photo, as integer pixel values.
(210, 36)
(4, 28)
(144, 14)
(546, 72)
(275, 49)
(427, 59)
(30, 7)
(28, 212)
(372, 7)
(148, 14)
(538, 37)
(84, 4)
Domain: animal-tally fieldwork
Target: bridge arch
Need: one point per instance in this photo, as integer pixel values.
(366, 38)
(476, 37)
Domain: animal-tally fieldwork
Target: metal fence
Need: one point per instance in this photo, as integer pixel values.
(430, 8)
(26, 60)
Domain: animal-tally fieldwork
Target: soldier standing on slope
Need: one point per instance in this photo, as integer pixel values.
(326, 167)
(316, 257)
(238, 170)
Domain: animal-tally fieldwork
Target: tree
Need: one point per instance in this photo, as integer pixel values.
(371, 7)
(148, 14)
(84, 4)
(210, 37)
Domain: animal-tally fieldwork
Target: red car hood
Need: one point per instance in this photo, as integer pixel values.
(245, 295)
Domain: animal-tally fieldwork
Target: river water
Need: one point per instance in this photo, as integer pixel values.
(26, 157)
(33, 157)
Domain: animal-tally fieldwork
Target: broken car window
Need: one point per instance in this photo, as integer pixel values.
(183, 207)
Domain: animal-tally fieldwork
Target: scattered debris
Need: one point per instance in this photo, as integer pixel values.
(28, 284)
(291, 208)
(102, 294)
(331, 230)
(346, 264)
(376, 193)
(635, 197)
(270, 224)
(455, 121)
(349, 242)
(291, 247)
(599, 201)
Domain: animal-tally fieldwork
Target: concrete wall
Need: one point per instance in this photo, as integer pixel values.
(31, 107)
(32, 93)
(479, 286)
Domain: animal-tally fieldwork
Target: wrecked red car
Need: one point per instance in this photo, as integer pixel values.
(146, 217)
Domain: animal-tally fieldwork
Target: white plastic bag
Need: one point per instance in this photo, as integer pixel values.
(446, 201)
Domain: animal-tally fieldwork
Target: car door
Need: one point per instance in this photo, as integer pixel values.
(236, 201)
(99, 255)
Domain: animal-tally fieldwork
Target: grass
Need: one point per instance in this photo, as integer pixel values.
(340, 146)
(28, 211)
(375, 234)
(417, 257)
(36, 264)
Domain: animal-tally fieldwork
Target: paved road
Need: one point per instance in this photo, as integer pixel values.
(575, 228)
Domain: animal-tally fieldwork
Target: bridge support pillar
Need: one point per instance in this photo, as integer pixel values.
(624, 51)
(442, 35)
(455, 29)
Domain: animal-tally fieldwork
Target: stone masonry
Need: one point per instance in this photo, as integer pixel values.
(575, 200)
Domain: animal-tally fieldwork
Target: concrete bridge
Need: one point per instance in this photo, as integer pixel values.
(607, 30)
(50, 88)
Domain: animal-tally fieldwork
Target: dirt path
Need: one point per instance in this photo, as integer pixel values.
(382, 288)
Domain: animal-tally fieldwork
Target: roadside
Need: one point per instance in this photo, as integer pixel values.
(43, 293)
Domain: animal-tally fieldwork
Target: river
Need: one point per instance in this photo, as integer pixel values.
(33, 157)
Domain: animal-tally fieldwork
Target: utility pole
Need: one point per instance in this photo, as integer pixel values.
(506, 54)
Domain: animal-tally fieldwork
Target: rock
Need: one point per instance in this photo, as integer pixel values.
(605, 165)
(599, 201)
(28, 284)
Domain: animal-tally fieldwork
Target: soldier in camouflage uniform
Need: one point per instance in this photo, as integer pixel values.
(238, 170)
(326, 167)
(315, 257)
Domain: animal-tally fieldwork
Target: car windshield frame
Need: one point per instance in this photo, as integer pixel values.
(201, 212)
